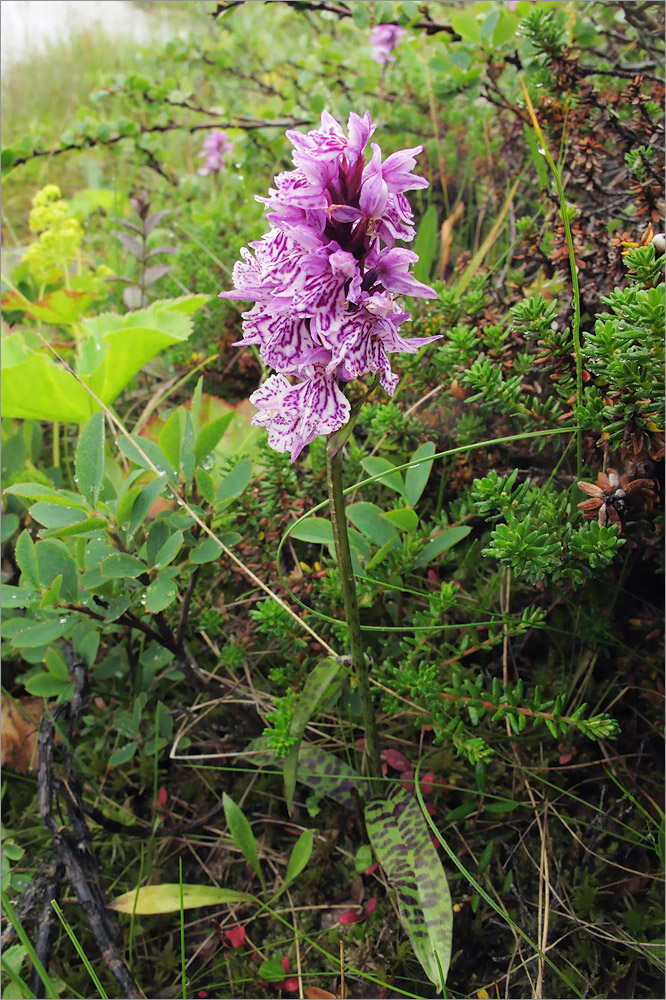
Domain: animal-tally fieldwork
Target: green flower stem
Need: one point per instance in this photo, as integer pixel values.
(334, 445)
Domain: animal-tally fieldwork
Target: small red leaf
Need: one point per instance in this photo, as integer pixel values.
(396, 760)
(371, 906)
(371, 868)
(348, 917)
(162, 797)
(236, 936)
(427, 783)
(406, 781)
(285, 963)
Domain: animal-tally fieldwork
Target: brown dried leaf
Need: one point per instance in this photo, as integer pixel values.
(20, 729)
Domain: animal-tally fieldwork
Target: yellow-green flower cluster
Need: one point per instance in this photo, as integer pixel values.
(50, 256)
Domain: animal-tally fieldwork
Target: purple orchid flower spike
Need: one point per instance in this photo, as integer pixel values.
(383, 39)
(325, 279)
(215, 147)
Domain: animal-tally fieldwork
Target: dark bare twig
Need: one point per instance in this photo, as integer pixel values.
(241, 123)
(47, 925)
(145, 830)
(72, 842)
(48, 875)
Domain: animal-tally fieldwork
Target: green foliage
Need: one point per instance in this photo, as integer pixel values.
(536, 538)
(499, 623)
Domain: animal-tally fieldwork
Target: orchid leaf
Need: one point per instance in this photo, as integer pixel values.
(244, 838)
(322, 684)
(167, 898)
(400, 838)
(298, 859)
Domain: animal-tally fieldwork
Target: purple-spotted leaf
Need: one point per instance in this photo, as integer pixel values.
(167, 898)
(323, 682)
(320, 770)
(400, 838)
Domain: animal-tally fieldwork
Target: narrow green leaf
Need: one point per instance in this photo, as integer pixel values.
(47, 686)
(143, 503)
(169, 550)
(317, 530)
(505, 29)
(52, 595)
(91, 526)
(35, 491)
(117, 607)
(90, 459)
(54, 559)
(160, 594)
(8, 526)
(465, 23)
(404, 519)
(367, 517)
(205, 485)
(243, 837)
(158, 535)
(440, 543)
(426, 243)
(210, 436)
(381, 554)
(122, 755)
(206, 551)
(400, 838)
(298, 859)
(235, 481)
(14, 597)
(124, 509)
(417, 476)
(41, 634)
(171, 438)
(26, 558)
(323, 682)
(121, 565)
(130, 448)
(271, 970)
(51, 515)
(195, 407)
(375, 466)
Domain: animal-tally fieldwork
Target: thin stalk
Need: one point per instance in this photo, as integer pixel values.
(56, 444)
(359, 662)
(575, 326)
